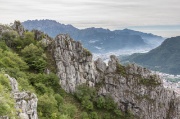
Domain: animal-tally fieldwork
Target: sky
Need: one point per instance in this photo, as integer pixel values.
(161, 17)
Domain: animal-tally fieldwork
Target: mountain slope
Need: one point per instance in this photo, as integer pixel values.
(97, 39)
(165, 58)
(28, 60)
(136, 90)
(152, 40)
(97, 91)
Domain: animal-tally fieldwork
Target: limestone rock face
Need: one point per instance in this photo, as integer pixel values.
(135, 89)
(134, 93)
(26, 102)
(17, 26)
(74, 63)
(40, 36)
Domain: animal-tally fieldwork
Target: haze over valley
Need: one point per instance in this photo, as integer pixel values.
(99, 40)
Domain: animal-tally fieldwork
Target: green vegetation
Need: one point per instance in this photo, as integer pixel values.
(34, 57)
(25, 59)
(97, 106)
(11, 60)
(165, 58)
(151, 81)
(87, 52)
(6, 101)
(121, 70)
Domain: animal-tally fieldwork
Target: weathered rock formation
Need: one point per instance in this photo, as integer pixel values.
(74, 63)
(17, 26)
(26, 102)
(135, 89)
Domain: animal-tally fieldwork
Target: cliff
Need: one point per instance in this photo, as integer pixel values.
(135, 89)
(26, 102)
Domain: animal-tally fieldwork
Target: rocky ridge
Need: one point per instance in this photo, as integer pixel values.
(74, 63)
(26, 102)
(17, 26)
(135, 89)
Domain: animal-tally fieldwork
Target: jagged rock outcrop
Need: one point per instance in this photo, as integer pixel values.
(17, 26)
(26, 102)
(74, 63)
(40, 36)
(135, 89)
(140, 92)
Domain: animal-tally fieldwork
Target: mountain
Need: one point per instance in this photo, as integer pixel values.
(136, 90)
(152, 40)
(98, 39)
(165, 58)
(46, 78)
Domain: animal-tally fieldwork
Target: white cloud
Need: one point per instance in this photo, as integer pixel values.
(112, 14)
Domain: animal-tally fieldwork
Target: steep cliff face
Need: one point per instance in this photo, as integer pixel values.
(138, 91)
(135, 89)
(26, 102)
(74, 63)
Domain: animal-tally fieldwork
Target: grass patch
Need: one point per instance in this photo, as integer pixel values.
(151, 81)
(121, 70)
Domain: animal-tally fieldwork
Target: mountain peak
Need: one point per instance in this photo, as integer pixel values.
(98, 39)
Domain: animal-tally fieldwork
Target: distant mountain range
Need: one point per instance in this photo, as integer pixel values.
(98, 39)
(165, 58)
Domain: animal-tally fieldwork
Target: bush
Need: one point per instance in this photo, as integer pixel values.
(28, 38)
(8, 37)
(100, 102)
(5, 82)
(3, 46)
(68, 109)
(151, 81)
(49, 80)
(93, 115)
(59, 99)
(40, 88)
(86, 52)
(84, 115)
(107, 116)
(47, 105)
(87, 104)
(118, 113)
(84, 92)
(110, 104)
(24, 84)
(62, 116)
(7, 103)
(121, 70)
(34, 57)
(11, 60)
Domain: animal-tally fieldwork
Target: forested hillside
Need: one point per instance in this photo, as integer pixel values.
(165, 58)
(25, 56)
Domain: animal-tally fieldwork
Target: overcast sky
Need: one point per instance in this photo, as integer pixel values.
(161, 17)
